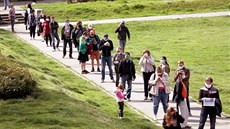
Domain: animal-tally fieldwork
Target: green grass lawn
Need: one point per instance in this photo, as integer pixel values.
(203, 44)
(63, 99)
(129, 8)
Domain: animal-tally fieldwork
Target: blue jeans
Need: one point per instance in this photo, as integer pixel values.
(53, 36)
(124, 79)
(205, 111)
(107, 60)
(163, 97)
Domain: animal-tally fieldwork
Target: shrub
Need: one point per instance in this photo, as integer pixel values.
(15, 81)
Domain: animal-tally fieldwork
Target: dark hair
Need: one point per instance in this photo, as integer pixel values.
(146, 51)
(127, 53)
(84, 33)
(180, 62)
(209, 79)
(29, 6)
(166, 62)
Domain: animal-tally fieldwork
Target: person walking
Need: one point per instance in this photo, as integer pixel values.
(147, 69)
(54, 33)
(185, 77)
(83, 55)
(6, 4)
(94, 52)
(160, 83)
(32, 25)
(172, 119)
(116, 61)
(123, 32)
(27, 15)
(106, 46)
(211, 103)
(180, 96)
(47, 30)
(120, 99)
(164, 64)
(12, 17)
(127, 73)
(77, 33)
(66, 36)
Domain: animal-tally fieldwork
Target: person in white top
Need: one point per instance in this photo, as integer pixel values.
(147, 63)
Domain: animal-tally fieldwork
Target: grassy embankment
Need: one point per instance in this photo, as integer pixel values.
(63, 100)
(203, 43)
(129, 8)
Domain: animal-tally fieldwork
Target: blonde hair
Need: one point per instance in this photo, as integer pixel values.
(169, 116)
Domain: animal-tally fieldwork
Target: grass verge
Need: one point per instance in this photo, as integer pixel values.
(129, 8)
(63, 100)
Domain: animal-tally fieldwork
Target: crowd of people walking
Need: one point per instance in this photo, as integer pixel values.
(156, 79)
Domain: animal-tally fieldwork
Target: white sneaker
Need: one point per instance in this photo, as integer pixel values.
(155, 117)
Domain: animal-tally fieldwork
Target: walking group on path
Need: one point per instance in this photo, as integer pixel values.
(156, 78)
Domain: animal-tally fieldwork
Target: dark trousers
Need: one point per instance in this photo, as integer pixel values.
(205, 111)
(70, 47)
(76, 44)
(55, 36)
(32, 31)
(187, 100)
(146, 77)
(117, 78)
(121, 108)
(12, 22)
(48, 36)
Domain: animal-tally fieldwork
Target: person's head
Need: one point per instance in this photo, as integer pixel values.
(164, 60)
(118, 50)
(84, 34)
(180, 64)
(52, 19)
(29, 6)
(170, 115)
(208, 82)
(67, 22)
(122, 23)
(92, 33)
(32, 12)
(120, 86)
(127, 56)
(106, 36)
(159, 71)
(79, 24)
(48, 18)
(90, 26)
(11, 5)
(147, 52)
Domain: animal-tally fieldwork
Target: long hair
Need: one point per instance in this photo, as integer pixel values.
(166, 62)
(170, 115)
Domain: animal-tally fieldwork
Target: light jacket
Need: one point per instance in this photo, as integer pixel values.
(155, 85)
(145, 65)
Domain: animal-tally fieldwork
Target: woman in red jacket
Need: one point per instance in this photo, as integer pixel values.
(46, 30)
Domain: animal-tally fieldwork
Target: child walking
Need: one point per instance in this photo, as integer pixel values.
(120, 99)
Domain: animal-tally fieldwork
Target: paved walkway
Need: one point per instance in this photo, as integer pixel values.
(137, 101)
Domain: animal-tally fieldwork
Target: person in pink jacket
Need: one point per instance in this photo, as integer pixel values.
(120, 99)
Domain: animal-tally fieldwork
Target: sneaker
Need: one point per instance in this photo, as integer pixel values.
(98, 69)
(102, 80)
(120, 117)
(92, 70)
(83, 72)
(58, 49)
(63, 56)
(187, 127)
(145, 98)
(86, 71)
(128, 100)
(70, 57)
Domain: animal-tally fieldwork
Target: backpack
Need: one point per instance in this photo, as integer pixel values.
(67, 32)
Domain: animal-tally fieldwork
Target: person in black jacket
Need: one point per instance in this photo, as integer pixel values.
(66, 36)
(123, 32)
(209, 94)
(77, 33)
(106, 46)
(54, 33)
(172, 119)
(127, 73)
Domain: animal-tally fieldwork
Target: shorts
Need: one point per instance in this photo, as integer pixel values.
(95, 54)
(83, 57)
(122, 43)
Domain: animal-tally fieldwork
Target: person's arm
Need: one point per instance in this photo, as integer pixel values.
(151, 60)
(152, 80)
(200, 95)
(117, 29)
(141, 60)
(133, 71)
(62, 33)
(111, 45)
(127, 31)
(187, 75)
(101, 44)
(176, 75)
